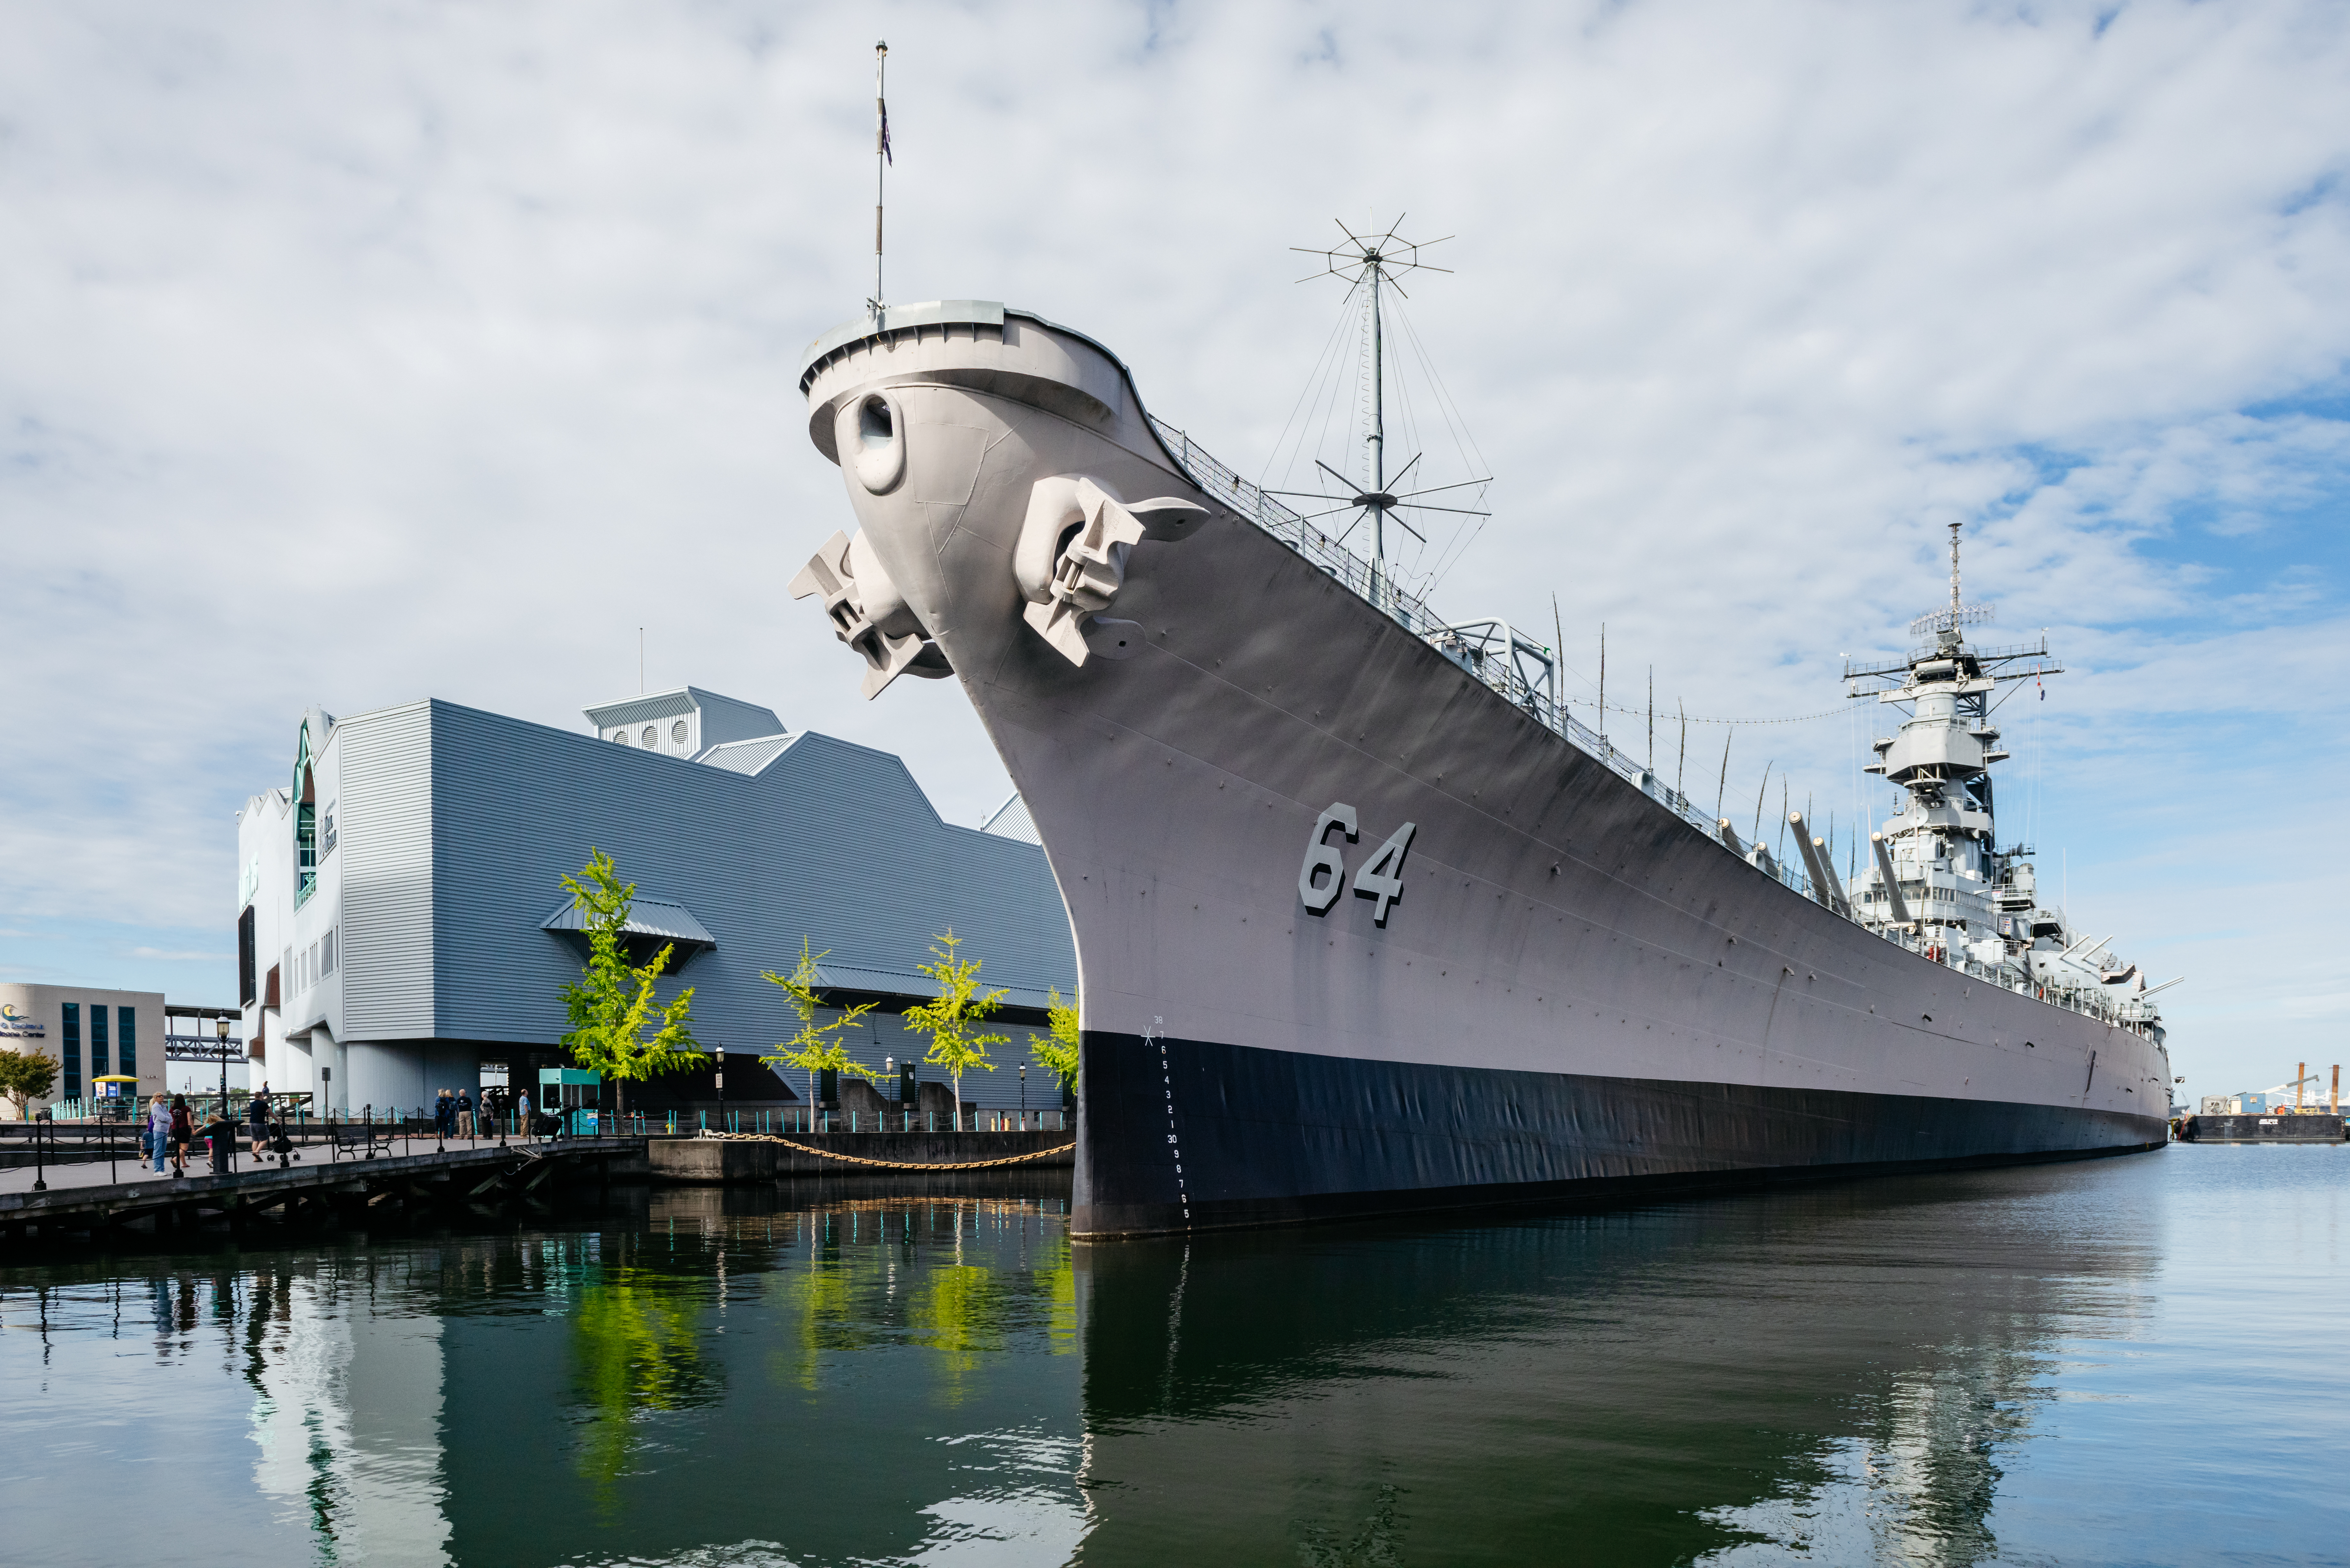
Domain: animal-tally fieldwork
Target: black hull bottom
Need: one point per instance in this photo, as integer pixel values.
(1187, 1134)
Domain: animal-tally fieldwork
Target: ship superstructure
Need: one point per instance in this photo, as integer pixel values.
(1365, 920)
(1940, 877)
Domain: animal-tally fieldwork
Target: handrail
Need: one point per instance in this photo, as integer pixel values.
(1349, 568)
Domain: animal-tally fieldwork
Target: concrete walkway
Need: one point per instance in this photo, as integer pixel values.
(80, 1200)
(132, 1170)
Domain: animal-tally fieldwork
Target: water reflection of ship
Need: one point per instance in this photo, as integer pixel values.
(1652, 1386)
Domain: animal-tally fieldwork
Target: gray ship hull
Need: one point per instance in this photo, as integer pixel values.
(1575, 991)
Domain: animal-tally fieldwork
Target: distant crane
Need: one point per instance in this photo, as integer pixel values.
(2307, 1077)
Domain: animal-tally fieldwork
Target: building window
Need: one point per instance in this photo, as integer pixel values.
(126, 1038)
(651, 737)
(677, 732)
(305, 852)
(98, 1068)
(305, 822)
(70, 1088)
(327, 953)
(247, 976)
(620, 737)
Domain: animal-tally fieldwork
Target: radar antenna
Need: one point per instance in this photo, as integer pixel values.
(1945, 623)
(1371, 264)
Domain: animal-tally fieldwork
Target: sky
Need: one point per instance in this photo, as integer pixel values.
(360, 354)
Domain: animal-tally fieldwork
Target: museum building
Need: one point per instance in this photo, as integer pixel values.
(402, 926)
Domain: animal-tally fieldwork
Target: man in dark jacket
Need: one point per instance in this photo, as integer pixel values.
(257, 1117)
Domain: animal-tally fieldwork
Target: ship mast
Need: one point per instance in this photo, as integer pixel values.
(882, 158)
(1373, 265)
(1375, 439)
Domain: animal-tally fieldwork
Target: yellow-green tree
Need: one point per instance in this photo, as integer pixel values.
(1058, 1053)
(612, 1005)
(952, 1022)
(817, 1047)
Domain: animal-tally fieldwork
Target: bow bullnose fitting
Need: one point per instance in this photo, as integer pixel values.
(868, 613)
(1070, 559)
(870, 436)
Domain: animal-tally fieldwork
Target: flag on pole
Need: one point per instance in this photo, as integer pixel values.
(883, 104)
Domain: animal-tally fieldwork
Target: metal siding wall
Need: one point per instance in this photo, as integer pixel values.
(882, 1037)
(726, 719)
(867, 859)
(1005, 888)
(385, 951)
(833, 841)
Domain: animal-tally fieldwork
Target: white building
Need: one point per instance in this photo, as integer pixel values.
(402, 922)
(91, 1033)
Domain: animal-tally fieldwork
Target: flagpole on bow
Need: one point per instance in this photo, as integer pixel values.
(881, 162)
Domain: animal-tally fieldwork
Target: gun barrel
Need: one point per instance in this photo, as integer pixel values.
(1893, 898)
(1822, 887)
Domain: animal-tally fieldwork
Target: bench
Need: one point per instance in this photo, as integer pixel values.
(366, 1138)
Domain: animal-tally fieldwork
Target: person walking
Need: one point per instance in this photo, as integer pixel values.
(159, 1131)
(444, 1116)
(522, 1113)
(465, 1113)
(183, 1134)
(257, 1116)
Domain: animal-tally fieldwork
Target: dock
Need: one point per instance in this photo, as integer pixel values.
(88, 1201)
(2283, 1126)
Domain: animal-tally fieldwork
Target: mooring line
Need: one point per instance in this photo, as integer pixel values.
(889, 1164)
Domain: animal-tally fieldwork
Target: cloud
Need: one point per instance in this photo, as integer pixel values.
(363, 354)
(181, 957)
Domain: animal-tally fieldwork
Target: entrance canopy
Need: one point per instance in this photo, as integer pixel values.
(652, 925)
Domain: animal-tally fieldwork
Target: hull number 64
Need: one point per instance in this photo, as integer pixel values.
(1324, 875)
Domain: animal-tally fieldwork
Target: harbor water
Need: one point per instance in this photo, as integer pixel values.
(2129, 1360)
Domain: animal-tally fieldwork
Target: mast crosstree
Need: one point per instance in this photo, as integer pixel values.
(1372, 265)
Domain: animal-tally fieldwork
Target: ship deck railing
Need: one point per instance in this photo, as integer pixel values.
(1333, 554)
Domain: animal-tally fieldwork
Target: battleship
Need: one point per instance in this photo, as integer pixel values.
(1366, 921)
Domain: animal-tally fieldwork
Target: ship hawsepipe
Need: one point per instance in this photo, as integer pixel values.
(1548, 983)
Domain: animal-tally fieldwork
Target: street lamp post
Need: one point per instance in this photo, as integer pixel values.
(219, 1031)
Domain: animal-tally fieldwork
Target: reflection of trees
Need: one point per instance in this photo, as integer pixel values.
(890, 1274)
(959, 1311)
(823, 1298)
(638, 1352)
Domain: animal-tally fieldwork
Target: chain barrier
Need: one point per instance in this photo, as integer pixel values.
(891, 1164)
